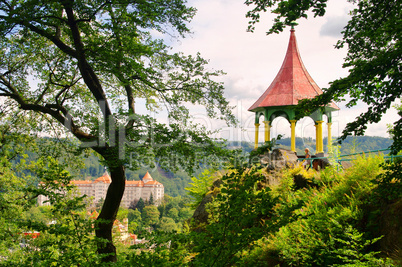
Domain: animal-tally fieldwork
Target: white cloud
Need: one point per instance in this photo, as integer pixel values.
(334, 26)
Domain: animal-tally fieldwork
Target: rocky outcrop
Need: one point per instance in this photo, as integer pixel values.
(200, 216)
(273, 161)
(279, 158)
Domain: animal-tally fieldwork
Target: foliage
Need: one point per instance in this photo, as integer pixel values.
(352, 248)
(140, 205)
(61, 227)
(390, 182)
(133, 215)
(252, 224)
(324, 225)
(267, 146)
(352, 144)
(176, 183)
(163, 249)
(357, 144)
(239, 215)
(89, 62)
(173, 213)
(122, 214)
(373, 39)
(134, 220)
(201, 185)
(151, 200)
(167, 224)
(287, 12)
(167, 244)
(169, 216)
(150, 215)
(13, 202)
(64, 235)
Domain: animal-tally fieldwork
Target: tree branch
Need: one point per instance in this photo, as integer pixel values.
(87, 72)
(54, 39)
(95, 12)
(52, 110)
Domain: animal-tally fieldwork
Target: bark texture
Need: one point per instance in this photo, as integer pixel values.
(107, 216)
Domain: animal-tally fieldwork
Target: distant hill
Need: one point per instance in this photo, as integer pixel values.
(352, 144)
(176, 182)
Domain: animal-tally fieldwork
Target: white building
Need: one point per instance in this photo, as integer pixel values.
(134, 190)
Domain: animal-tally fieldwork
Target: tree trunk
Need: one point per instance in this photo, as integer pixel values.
(107, 216)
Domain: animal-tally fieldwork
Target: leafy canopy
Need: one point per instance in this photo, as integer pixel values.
(84, 63)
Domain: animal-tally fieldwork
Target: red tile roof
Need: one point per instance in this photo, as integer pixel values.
(81, 182)
(134, 183)
(105, 178)
(133, 236)
(94, 215)
(291, 84)
(152, 183)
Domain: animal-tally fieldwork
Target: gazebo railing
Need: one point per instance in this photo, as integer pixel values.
(339, 158)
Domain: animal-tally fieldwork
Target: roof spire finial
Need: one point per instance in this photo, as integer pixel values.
(293, 24)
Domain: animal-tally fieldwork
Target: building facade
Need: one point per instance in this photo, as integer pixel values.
(134, 190)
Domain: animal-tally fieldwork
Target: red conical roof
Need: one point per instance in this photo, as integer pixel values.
(291, 84)
(147, 177)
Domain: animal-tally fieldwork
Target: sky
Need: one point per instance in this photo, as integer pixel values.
(252, 60)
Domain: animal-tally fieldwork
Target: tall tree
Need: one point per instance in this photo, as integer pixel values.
(151, 200)
(150, 215)
(373, 39)
(140, 205)
(82, 64)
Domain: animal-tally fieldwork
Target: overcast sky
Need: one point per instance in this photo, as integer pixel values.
(252, 60)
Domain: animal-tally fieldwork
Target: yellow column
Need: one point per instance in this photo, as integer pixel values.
(267, 131)
(329, 124)
(293, 135)
(256, 135)
(319, 144)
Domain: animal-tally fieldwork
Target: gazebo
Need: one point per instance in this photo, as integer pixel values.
(291, 84)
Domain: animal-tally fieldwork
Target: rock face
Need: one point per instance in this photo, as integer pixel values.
(200, 214)
(346, 164)
(279, 158)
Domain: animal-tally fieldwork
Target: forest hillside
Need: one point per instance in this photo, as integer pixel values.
(175, 183)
